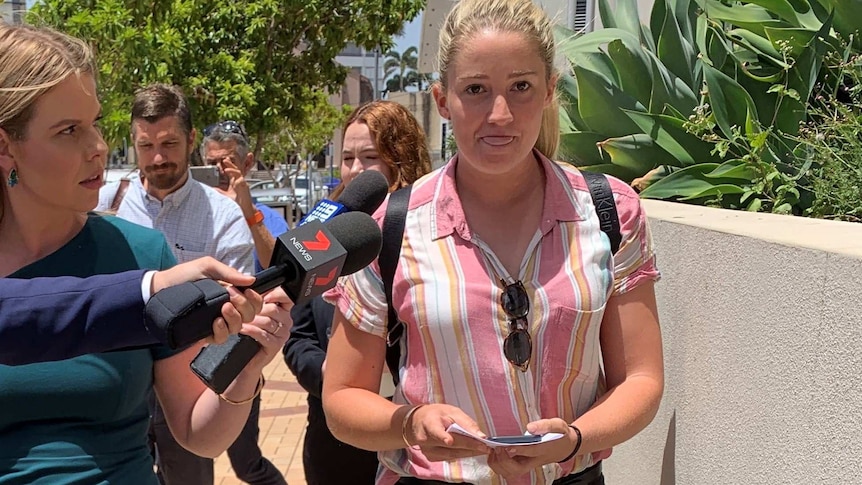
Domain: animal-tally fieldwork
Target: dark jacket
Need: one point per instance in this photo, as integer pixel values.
(48, 319)
(326, 460)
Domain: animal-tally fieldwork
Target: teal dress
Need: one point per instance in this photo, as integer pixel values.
(84, 420)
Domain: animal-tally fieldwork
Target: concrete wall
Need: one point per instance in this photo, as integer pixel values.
(763, 352)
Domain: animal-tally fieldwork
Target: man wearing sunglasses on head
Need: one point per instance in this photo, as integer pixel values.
(225, 145)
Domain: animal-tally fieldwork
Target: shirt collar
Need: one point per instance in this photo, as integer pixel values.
(449, 215)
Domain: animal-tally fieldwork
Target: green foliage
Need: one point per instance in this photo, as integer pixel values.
(310, 136)
(704, 103)
(831, 140)
(261, 62)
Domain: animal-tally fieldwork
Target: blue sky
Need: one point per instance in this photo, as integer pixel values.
(412, 30)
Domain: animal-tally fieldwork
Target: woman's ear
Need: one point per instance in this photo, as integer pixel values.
(440, 99)
(7, 149)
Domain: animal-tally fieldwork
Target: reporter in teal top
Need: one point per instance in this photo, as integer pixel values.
(84, 420)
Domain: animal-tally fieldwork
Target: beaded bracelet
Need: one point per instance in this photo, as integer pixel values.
(406, 421)
(260, 383)
(577, 445)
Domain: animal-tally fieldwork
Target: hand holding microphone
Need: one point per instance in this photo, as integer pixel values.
(306, 262)
(239, 308)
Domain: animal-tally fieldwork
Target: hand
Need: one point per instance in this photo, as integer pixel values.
(197, 270)
(427, 430)
(270, 328)
(512, 462)
(241, 308)
(238, 187)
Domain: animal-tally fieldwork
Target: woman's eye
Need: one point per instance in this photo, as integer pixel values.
(522, 86)
(69, 131)
(474, 89)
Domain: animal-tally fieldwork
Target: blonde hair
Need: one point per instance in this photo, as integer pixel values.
(524, 17)
(398, 138)
(32, 61)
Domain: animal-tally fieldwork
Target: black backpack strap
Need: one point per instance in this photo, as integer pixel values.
(606, 207)
(393, 234)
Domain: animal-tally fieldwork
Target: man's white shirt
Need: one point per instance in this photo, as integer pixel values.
(195, 219)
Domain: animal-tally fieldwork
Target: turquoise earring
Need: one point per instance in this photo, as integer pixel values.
(13, 178)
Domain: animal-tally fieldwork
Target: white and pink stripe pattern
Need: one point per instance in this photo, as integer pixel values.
(447, 288)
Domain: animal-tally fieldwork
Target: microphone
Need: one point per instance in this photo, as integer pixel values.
(181, 315)
(364, 193)
(311, 257)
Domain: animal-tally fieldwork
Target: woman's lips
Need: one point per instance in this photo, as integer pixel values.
(498, 140)
(94, 182)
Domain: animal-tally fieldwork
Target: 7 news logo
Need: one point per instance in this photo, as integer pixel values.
(320, 243)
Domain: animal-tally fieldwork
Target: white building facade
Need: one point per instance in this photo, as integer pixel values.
(12, 11)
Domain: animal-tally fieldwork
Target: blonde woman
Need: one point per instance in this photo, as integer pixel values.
(507, 287)
(84, 420)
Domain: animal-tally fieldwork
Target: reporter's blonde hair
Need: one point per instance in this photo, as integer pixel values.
(469, 17)
(32, 61)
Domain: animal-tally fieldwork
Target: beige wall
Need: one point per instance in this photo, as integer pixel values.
(763, 352)
(421, 104)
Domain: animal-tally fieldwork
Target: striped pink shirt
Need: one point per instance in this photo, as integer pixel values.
(447, 291)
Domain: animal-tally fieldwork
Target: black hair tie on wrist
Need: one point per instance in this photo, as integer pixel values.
(577, 445)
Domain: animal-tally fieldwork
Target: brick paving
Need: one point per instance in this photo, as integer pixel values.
(282, 426)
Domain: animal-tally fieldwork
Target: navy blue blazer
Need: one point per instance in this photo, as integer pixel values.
(46, 319)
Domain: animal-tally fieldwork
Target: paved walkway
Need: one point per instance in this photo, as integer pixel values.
(282, 426)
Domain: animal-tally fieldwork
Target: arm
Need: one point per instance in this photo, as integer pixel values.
(65, 317)
(357, 415)
(303, 352)
(633, 360)
(262, 232)
(45, 319)
(201, 421)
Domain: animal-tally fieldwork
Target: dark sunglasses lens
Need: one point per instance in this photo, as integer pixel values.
(515, 302)
(517, 348)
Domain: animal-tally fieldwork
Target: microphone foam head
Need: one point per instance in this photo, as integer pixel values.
(359, 235)
(365, 193)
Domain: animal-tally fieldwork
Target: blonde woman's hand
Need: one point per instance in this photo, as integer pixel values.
(426, 429)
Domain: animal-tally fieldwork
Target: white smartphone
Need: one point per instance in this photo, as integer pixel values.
(207, 175)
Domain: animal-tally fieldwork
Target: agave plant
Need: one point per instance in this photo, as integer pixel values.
(702, 104)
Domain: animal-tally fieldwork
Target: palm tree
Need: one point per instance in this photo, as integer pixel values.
(401, 68)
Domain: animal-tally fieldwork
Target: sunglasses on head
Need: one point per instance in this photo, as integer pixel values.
(228, 126)
(518, 346)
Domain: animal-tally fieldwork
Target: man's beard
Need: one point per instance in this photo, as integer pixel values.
(164, 180)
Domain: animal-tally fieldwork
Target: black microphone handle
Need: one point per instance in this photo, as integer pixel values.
(218, 365)
(269, 278)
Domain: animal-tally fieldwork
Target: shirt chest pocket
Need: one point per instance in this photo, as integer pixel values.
(570, 342)
(187, 252)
